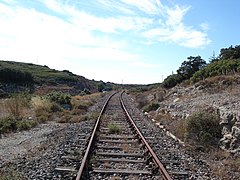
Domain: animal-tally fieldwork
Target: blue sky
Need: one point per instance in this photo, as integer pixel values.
(129, 41)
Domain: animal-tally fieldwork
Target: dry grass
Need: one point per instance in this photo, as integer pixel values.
(15, 106)
(86, 100)
(41, 104)
(219, 83)
(42, 108)
(178, 128)
(93, 115)
(224, 165)
(81, 105)
(163, 117)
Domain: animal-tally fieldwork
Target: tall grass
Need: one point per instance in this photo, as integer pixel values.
(15, 106)
(42, 108)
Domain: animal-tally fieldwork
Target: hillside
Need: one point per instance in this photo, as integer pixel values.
(18, 76)
(187, 111)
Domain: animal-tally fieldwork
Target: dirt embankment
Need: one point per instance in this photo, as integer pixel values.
(180, 102)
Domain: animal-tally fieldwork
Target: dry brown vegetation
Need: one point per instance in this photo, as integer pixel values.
(21, 113)
(224, 164)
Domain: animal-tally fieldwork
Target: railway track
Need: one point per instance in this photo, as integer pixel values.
(117, 151)
(117, 148)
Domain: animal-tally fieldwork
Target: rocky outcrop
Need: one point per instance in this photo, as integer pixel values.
(230, 120)
(181, 102)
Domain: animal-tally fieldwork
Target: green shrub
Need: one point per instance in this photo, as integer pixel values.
(8, 124)
(25, 125)
(150, 107)
(217, 68)
(203, 129)
(114, 129)
(172, 80)
(59, 97)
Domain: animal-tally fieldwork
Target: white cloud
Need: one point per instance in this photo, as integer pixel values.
(152, 7)
(205, 27)
(175, 15)
(103, 24)
(29, 34)
(113, 6)
(167, 23)
(173, 30)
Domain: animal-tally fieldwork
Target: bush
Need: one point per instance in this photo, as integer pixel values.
(150, 107)
(114, 129)
(217, 68)
(8, 124)
(203, 129)
(172, 80)
(59, 97)
(25, 125)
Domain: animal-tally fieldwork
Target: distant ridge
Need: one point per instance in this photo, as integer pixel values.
(19, 76)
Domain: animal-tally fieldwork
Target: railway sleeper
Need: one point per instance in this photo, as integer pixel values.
(70, 157)
(65, 169)
(118, 141)
(122, 160)
(122, 171)
(179, 174)
(120, 154)
(117, 136)
(117, 148)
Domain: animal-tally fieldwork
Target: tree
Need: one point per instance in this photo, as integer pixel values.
(189, 67)
(230, 53)
(172, 80)
(213, 58)
(100, 86)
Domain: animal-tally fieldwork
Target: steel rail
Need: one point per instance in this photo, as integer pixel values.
(86, 155)
(162, 169)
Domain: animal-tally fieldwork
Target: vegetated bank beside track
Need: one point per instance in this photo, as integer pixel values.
(178, 160)
(37, 153)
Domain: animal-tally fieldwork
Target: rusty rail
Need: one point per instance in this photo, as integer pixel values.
(86, 155)
(162, 169)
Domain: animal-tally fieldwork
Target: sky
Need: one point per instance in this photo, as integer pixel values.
(120, 41)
